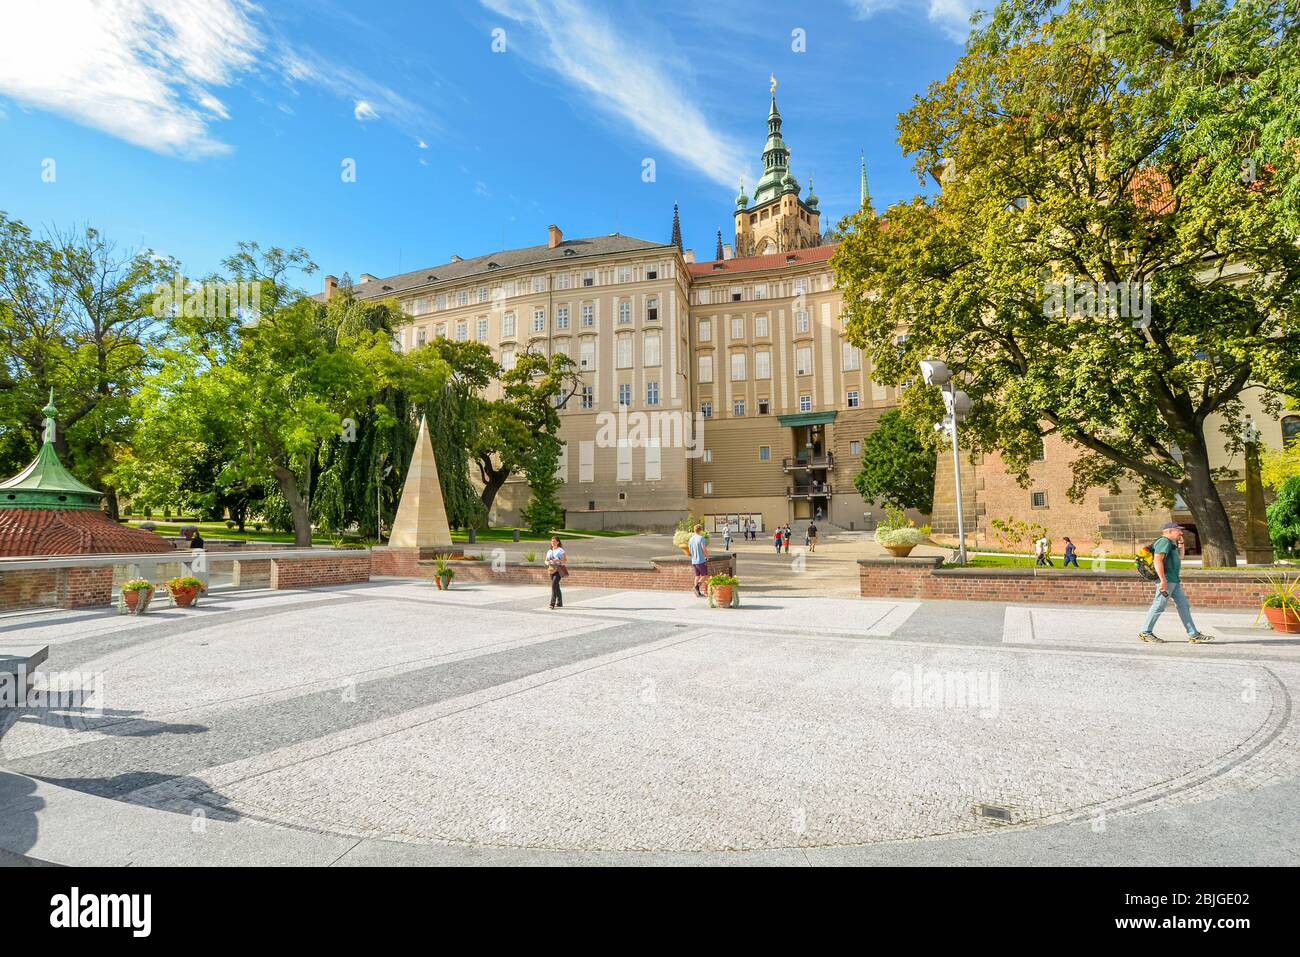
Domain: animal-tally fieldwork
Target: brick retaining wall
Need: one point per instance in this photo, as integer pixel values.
(662, 574)
(921, 578)
(308, 572)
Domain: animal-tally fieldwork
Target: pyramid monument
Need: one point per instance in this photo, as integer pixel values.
(421, 521)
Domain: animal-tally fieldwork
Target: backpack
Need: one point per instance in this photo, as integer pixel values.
(1146, 564)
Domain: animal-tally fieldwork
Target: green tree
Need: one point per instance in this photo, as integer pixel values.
(897, 465)
(1095, 143)
(1284, 517)
(544, 513)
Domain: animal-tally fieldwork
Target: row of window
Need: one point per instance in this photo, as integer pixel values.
(738, 406)
(519, 287)
(586, 319)
(762, 326)
(708, 295)
(803, 363)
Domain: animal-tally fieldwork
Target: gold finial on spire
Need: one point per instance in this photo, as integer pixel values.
(773, 78)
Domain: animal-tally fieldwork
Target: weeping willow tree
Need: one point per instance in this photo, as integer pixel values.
(454, 420)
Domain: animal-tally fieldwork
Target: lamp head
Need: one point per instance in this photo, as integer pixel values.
(935, 372)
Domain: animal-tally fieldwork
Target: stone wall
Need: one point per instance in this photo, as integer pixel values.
(923, 578)
(668, 574)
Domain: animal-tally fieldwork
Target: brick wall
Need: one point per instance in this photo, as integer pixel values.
(36, 588)
(668, 574)
(923, 578)
(307, 572)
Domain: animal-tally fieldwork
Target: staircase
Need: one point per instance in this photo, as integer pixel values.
(824, 530)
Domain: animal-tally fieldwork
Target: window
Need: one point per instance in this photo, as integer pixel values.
(562, 347)
(801, 323)
(760, 327)
(650, 349)
(708, 488)
(441, 331)
(652, 393)
(706, 409)
(708, 456)
(854, 399)
(462, 298)
(1040, 453)
(588, 315)
(653, 469)
(539, 284)
(481, 330)
(623, 353)
(706, 368)
(481, 294)
(507, 359)
(760, 291)
(852, 358)
(624, 462)
(765, 453)
(417, 306)
(421, 337)
(764, 407)
(652, 272)
(803, 361)
(508, 325)
(625, 395)
(1290, 429)
(737, 367)
(706, 330)
(1039, 500)
(800, 287)
(589, 278)
(562, 317)
(539, 320)
(805, 403)
(588, 400)
(624, 311)
(624, 273)
(652, 309)
(738, 408)
(738, 328)
(587, 354)
(855, 447)
(587, 460)
(763, 365)
(442, 300)
(736, 294)
(562, 281)
(462, 331)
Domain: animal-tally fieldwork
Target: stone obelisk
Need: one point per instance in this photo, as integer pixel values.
(420, 528)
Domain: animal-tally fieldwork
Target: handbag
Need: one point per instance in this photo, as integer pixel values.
(561, 571)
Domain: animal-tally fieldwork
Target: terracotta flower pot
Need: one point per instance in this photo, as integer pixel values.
(184, 597)
(1284, 620)
(900, 551)
(134, 599)
(722, 594)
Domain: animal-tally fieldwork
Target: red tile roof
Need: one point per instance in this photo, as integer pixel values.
(47, 532)
(798, 257)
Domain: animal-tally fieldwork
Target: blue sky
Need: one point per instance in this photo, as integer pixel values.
(187, 125)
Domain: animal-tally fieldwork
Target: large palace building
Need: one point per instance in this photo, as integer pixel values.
(724, 388)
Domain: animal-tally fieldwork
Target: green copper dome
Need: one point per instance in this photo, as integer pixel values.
(812, 200)
(741, 199)
(46, 483)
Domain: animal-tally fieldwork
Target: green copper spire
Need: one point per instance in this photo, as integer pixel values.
(46, 483)
(776, 159)
(865, 195)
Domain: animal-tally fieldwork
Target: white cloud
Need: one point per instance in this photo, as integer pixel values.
(950, 16)
(147, 71)
(580, 45)
(363, 111)
(422, 144)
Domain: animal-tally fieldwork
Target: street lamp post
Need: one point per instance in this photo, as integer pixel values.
(958, 404)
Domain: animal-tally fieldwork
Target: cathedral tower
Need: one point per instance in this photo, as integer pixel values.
(776, 220)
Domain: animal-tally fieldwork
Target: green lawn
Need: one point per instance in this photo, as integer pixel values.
(216, 530)
(1020, 561)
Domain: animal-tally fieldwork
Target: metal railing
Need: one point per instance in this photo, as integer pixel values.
(808, 491)
(826, 461)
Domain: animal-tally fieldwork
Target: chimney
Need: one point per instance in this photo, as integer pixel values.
(554, 236)
(331, 286)
(727, 251)
(689, 255)
(368, 277)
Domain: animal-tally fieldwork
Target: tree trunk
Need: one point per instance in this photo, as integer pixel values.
(297, 507)
(113, 508)
(493, 479)
(1218, 550)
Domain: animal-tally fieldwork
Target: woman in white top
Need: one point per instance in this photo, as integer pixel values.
(555, 560)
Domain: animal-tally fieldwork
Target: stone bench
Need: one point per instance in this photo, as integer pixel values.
(17, 662)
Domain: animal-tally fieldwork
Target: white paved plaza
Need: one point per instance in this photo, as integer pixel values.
(392, 722)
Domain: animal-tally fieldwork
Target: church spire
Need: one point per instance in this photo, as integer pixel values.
(865, 194)
(677, 229)
(718, 253)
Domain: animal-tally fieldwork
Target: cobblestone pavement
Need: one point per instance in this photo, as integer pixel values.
(390, 722)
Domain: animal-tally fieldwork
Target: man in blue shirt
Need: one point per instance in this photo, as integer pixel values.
(1168, 551)
(698, 546)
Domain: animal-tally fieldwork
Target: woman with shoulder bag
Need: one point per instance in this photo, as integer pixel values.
(555, 561)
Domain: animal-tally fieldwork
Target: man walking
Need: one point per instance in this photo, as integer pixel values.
(785, 537)
(812, 536)
(699, 549)
(778, 537)
(726, 538)
(1168, 551)
(1042, 551)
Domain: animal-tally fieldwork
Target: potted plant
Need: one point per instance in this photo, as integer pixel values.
(898, 534)
(722, 591)
(1282, 603)
(443, 573)
(184, 590)
(136, 594)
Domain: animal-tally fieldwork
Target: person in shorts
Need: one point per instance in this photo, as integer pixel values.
(698, 546)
